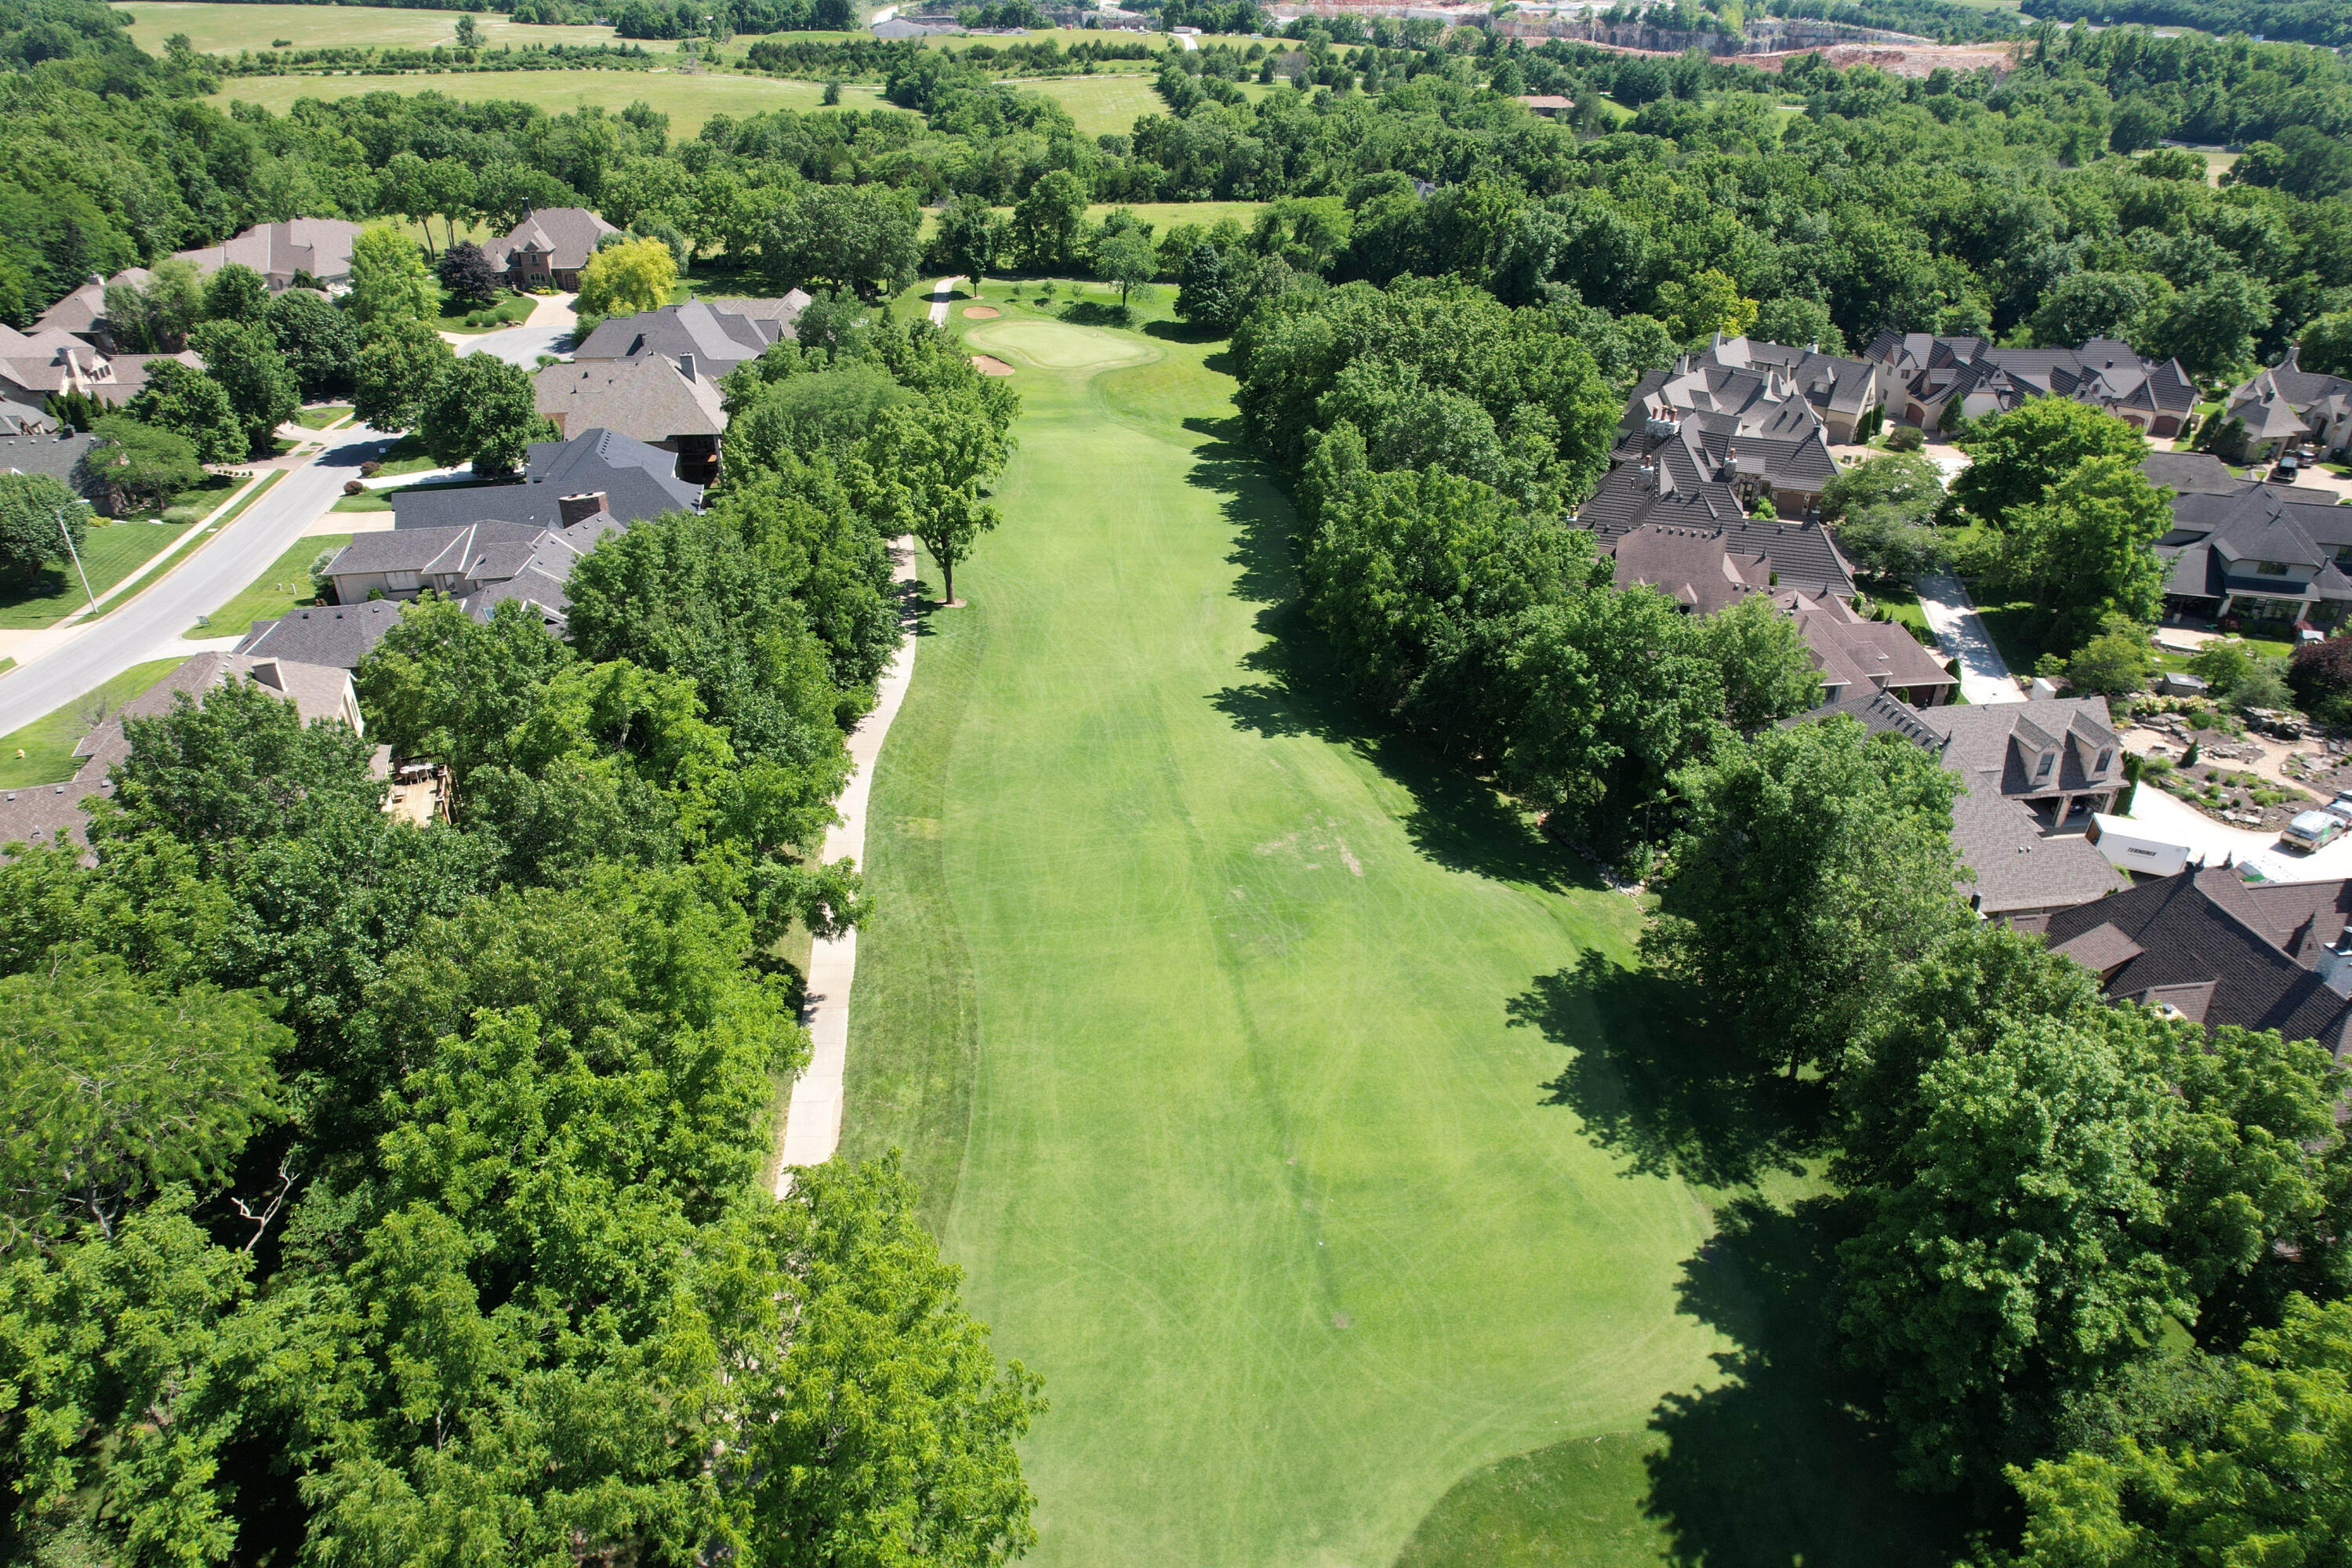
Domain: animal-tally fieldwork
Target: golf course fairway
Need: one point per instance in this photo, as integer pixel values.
(1188, 998)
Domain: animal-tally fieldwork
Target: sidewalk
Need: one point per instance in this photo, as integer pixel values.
(1960, 632)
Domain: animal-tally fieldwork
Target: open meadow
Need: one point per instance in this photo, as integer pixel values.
(690, 100)
(224, 30)
(1243, 1055)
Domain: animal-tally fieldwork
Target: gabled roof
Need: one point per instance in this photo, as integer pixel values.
(2289, 386)
(2206, 936)
(566, 236)
(1690, 565)
(2103, 371)
(319, 245)
(644, 397)
(717, 340)
(339, 635)
(637, 481)
(2190, 473)
(1855, 656)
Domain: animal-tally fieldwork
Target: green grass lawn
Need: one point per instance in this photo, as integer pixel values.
(320, 418)
(42, 752)
(406, 456)
(110, 552)
(1242, 1053)
(506, 311)
(1102, 105)
(225, 29)
(688, 99)
(282, 586)
(366, 501)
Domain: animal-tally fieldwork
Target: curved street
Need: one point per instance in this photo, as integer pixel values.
(151, 623)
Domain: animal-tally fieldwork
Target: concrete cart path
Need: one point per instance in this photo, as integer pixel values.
(812, 1129)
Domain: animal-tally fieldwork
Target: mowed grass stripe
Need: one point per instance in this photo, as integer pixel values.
(1256, 1173)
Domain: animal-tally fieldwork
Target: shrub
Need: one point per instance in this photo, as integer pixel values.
(2321, 676)
(352, 487)
(1905, 438)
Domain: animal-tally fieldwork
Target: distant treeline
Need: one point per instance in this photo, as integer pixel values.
(2327, 23)
(859, 58)
(372, 59)
(1942, 20)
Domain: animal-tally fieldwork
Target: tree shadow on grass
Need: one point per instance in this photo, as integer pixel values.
(1783, 1463)
(1456, 819)
(1653, 1083)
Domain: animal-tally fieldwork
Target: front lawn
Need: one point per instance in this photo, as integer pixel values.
(283, 586)
(507, 310)
(110, 552)
(42, 752)
(406, 456)
(320, 418)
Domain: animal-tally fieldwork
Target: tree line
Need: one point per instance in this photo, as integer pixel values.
(398, 1190)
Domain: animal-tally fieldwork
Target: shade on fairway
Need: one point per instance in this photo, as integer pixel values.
(1189, 1003)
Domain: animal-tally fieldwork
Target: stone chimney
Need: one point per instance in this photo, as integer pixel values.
(579, 508)
(2334, 966)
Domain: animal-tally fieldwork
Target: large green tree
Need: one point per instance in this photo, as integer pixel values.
(399, 364)
(2086, 550)
(41, 519)
(243, 357)
(192, 405)
(389, 282)
(483, 411)
(928, 466)
(318, 339)
(1813, 867)
(2015, 457)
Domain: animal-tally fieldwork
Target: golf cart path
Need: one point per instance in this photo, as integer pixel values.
(812, 1118)
(942, 292)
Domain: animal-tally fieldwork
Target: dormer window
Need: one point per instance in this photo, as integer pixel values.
(2105, 758)
(2042, 769)
(2269, 568)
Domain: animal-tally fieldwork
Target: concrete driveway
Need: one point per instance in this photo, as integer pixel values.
(547, 331)
(1960, 632)
(2169, 821)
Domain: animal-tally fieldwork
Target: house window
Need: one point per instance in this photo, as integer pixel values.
(2043, 769)
(2271, 568)
(2105, 758)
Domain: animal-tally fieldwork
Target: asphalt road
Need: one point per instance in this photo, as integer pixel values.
(215, 572)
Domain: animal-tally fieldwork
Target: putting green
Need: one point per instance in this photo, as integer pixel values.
(1058, 345)
(1189, 1003)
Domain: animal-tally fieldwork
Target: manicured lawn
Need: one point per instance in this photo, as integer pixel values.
(506, 311)
(46, 743)
(320, 418)
(2010, 626)
(406, 456)
(285, 585)
(225, 29)
(110, 552)
(688, 99)
(1241, 1051)
(366, 501)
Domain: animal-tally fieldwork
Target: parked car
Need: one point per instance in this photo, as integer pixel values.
(2284, 471)
(2313, 830)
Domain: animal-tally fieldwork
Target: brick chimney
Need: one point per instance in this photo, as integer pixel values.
(579, 508)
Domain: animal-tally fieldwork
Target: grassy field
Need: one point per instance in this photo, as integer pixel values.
(110, 552)
(42, 752)
(1102, 105)
(1244, 1056)
(282, 586)
(225, 29)
(688, 99)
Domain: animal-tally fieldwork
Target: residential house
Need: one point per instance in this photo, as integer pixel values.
(2264, 553)
(1693, 566)
(1739, 415)
(1857, 657)
(60, 457)
(1925, 374)
(479, 565)
(651, 398)
(336, 634)
(596, 470)
(705, 337)
(316, 248)
(56, 812)
(83, 312)
(37, 366)
(2288, 406)
(548, 248)
(2206, 945)
(1678, 486)
(2190, 474)
(2028, 770)
(1549, 105)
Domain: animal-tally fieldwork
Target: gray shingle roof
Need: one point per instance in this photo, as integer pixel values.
(2207, 934)
(339, 635)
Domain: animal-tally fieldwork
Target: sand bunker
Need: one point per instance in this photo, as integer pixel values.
(988, 365)
(980, 312)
